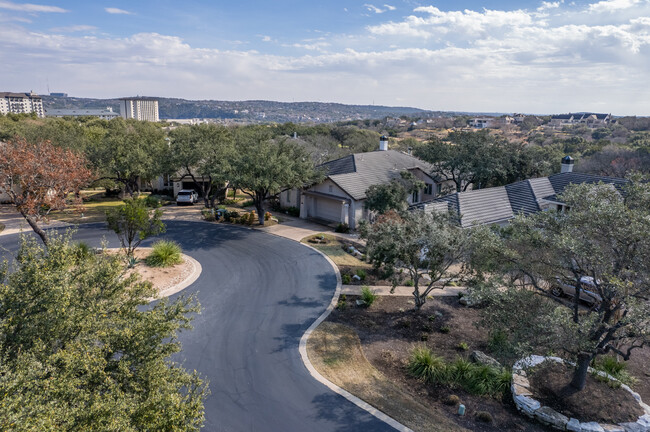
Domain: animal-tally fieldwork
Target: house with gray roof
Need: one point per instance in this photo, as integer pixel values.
(340, 197)
(497, 205)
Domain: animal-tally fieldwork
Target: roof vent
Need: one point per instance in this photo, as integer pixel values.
(567, 164)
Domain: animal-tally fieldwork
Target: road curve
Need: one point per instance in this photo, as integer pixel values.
(259, 293)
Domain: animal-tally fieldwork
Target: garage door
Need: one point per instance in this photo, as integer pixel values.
(328, 209)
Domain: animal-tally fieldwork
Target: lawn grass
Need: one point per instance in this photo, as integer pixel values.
(335, 351)
(334, 250)
(93, 211)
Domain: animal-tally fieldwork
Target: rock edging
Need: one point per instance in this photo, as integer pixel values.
(522, 396)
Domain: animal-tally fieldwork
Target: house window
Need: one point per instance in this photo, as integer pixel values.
(289, 196)
(439, 188)
(331, 188)
(428, 189)
(416, 197)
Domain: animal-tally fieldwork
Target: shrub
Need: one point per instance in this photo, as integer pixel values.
(484, 416)
(431, 318)
(165, 253)
(250, 218)
(409, 283)
(463, 346)
(346, 279)
(445, 329)
(451, 400)
(247, 203)
(82, 251)
(362, 274)
(208, 215)
(342, 228)
(424, 337)
(367, 295)
(292, 211)
(487, 380)
(498, 343)
(460, 369)
(267, 216)
(152, 201)
(613, 367)
(427, 367)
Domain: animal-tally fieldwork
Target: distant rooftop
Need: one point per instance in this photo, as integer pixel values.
(140, 98)
(20, 95)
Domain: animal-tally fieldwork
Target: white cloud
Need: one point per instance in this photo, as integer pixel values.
(117, 11)
(486, 60)
(28, 7)
(73, 28)
(378, 10)
(389, 7)
(549, 5)
(612, 5)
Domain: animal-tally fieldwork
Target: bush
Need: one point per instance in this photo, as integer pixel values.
(484, 416)
(362, 274)
(427, 367)
(292, 211)
(346, 279)
(342, 228)
(451, 400)
(463, 346)
(445, 329)
(231, 216)
(165, 253)
(208, 215)
(82, 251)
(152, 201)
(367, 295)
(409, 283)
(247, 203)
(267, 216)
(613, 367)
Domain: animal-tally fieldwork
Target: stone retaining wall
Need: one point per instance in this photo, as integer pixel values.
(523, 398)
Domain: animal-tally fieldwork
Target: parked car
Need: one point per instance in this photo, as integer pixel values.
(588, 292)
(187, 196)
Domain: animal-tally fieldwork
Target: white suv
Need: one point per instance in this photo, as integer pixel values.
(187, 196)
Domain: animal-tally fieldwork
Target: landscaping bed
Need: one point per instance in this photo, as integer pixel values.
(598, 402)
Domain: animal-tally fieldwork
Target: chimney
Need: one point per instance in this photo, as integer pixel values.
(383, 143)
(567, 164)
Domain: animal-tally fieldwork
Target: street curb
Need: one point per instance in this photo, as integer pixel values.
(196, 272)
(318, 377)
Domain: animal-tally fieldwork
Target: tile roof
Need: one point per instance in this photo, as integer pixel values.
(357, 172)
(499, 204)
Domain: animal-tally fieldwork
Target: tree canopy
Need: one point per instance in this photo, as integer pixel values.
(605, 237)
(394, 195)
(80, 352)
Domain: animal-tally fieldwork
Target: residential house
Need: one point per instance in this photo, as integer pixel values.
(498, 205)
(340, 197)
(482, 122)
(105, 114)
(591, 120)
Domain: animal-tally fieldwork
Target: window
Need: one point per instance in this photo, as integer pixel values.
(331, 188)
(439, 188)
(428, 189)
(416, 197)
(289, 196)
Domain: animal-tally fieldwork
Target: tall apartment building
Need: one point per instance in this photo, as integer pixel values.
(21, 103)
(139, 108)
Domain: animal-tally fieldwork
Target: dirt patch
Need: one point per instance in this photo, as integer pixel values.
(162, 278)
(597, 402)
(335, 351)
(391, 328)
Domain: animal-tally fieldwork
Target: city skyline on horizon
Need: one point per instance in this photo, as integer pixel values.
(530, 57)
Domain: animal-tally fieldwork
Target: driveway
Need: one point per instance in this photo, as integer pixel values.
(259, 293)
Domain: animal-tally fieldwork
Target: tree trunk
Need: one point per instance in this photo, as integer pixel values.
(580, 374)
(259, 205)
(32, 223)
(419, 300)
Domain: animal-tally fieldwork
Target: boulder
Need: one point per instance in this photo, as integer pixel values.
(526, 404)
(644, 421)
(573, 425)
(552, 418)
(613, 428)
(633, 427)
(591, 427)
(356, 277)
(481, 358)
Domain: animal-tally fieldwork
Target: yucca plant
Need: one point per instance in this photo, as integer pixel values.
(165, 253)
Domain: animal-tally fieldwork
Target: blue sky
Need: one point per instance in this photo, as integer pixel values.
(525, 56)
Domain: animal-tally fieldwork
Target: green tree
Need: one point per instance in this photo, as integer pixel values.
(422, 243)
(133, 222)
(265, 167)
(605, 237)
(466, 158)
(80, 352)
(204, 151)
(129, 153)
(394, 195)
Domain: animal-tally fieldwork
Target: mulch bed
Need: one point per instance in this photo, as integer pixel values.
(597, 402)
(391, 328)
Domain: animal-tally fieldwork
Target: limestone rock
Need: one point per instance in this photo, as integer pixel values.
(551, 417)
(591, 427)
(613, 428)
(481, 358)
(573, 425)
(634, 427)
(526, 404)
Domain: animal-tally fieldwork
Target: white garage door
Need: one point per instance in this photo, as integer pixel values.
(328, 209)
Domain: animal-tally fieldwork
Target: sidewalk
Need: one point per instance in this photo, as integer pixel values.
(401, 291)
(297, 229)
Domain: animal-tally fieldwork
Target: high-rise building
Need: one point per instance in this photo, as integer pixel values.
(139, 108)
(21, 103)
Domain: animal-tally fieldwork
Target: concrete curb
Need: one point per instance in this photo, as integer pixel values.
(318, 377)
(196, 272)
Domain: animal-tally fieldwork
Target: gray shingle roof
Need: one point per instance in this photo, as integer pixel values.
(499, 204)
(356, 173)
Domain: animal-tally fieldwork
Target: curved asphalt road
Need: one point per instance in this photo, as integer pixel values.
(259, 293)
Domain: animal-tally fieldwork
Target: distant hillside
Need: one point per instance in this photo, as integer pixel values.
(255, 111)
